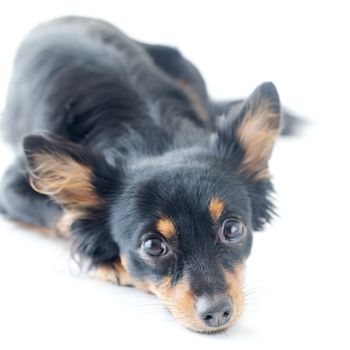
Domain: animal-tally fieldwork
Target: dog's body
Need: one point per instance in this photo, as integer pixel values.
(135, 171)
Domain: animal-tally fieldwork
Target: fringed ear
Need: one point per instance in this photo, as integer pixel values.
(250, 130)
(245, 140)
(66, 171)
(81, 183)
(257, 129)
(61, 170)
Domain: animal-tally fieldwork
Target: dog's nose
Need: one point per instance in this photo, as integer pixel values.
(215, 311)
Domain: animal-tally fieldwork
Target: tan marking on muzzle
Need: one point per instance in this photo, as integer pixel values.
(235, 280)
(180, 301)
(179, 298)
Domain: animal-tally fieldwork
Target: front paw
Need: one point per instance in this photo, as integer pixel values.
(107, 274)
(63, 225)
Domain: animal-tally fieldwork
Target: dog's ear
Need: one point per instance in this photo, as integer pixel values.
(67, 172)
(245, 140)
(250, 129)
(82, 183)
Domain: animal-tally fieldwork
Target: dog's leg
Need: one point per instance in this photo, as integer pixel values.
(19, 202)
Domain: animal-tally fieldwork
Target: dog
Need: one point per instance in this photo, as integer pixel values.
(121, 152)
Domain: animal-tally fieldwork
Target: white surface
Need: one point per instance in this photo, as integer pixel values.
(299, 268)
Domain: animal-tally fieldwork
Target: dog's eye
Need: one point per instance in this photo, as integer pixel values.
(232, 230)
(155, 246)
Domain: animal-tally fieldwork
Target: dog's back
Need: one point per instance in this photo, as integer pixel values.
(79, 77)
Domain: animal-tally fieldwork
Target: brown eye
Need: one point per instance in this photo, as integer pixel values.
(155, 246)
(232, 230)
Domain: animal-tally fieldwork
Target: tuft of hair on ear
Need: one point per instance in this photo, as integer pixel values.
(67, 172)
(245, 139)
(81, 182)
(247, 134)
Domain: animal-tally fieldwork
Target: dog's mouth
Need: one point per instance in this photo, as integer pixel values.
(205, 314)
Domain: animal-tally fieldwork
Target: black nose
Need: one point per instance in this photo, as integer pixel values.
(215, 311)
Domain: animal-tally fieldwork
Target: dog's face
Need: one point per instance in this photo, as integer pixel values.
(179, 224)
(185, 230)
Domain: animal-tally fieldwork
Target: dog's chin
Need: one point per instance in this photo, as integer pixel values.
(208, 330)
(199, 327)
(180, 301)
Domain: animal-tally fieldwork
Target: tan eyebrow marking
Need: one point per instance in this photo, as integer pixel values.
(216, 207)
(166, 227)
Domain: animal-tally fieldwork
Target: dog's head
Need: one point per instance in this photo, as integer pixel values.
(180, 223)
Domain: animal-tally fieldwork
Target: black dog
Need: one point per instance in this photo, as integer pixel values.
(156, 185)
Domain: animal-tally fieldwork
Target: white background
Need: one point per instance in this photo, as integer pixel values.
(298, 274)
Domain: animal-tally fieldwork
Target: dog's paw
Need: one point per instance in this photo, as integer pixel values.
(107, 274)
(62, 227)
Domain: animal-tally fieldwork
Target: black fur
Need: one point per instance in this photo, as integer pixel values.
(115, 106)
